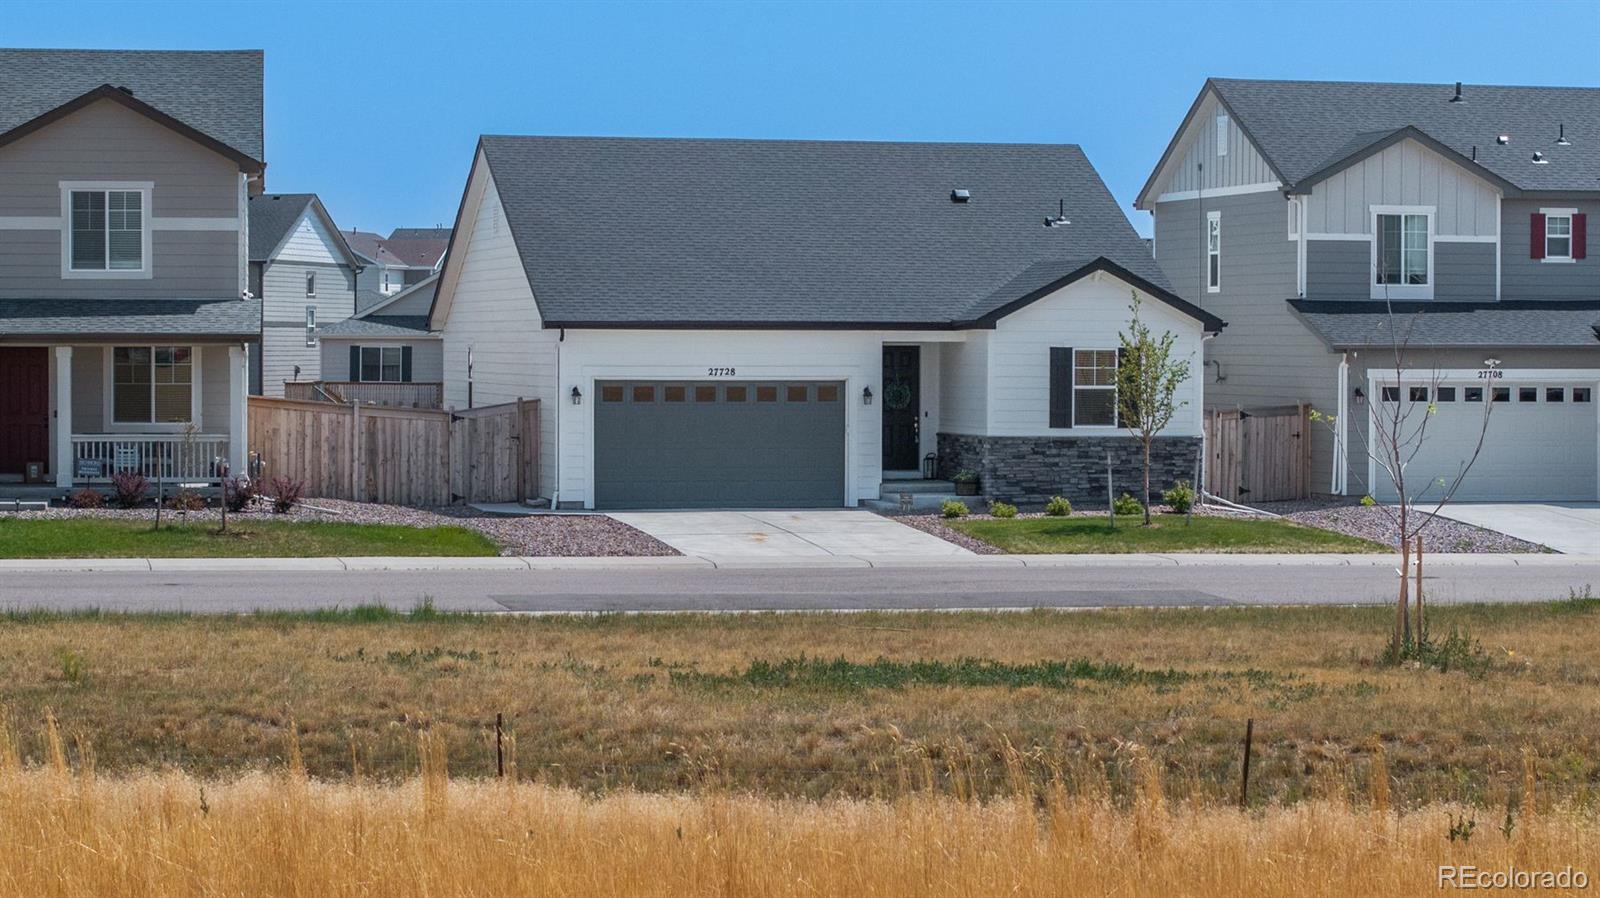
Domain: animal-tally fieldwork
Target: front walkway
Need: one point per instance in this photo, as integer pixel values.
(1572, 528)
(772, 535)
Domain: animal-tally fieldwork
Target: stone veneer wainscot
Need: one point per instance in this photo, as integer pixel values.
(1029, 470)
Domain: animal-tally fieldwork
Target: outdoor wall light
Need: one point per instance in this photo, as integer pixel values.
(577, 396)
(1360, 396)
(866, 395)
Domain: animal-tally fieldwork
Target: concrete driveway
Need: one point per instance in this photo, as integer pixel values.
(1572, 528)
(765, 535)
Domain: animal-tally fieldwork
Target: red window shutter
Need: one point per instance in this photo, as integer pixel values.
(1580, 235)
(1536, 241)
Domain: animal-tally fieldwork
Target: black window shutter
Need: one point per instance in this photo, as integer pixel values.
(405, 364)
(1060, 386)
(355, 363)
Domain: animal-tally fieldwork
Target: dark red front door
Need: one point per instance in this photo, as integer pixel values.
(24, 407)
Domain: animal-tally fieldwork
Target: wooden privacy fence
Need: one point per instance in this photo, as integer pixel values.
(400, 456)
(1258, 456)
(413, 394)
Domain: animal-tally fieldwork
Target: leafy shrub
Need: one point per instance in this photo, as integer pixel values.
(239, 492)
(187, 500)
(964, 476)
(86, 498)
(1180, 498)
(74, 666)
(953, 509)
(1126, 504)
(286, 493)
(1058, 507)
(129, 488)
(1002, 510)
(1368, 501)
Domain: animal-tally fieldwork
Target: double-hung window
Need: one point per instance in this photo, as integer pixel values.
(152, 384)
(1213, 252)
(311, 325)
(1094, 388)
(382, 364)
(106, 230)
(1558, 235)
(1402, 254)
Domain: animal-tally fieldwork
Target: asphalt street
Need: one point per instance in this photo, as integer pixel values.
(922, 586)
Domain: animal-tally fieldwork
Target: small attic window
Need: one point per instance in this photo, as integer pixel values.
(960, 195)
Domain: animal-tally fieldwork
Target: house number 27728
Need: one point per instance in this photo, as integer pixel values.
(719, 372)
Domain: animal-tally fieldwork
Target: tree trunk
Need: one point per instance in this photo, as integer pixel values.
(1422, 621)
(1402, 619)
(1147, 483)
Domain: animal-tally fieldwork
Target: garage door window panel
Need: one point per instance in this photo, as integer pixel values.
(1472, 394)
(1445, 394)
(1527, 394)
(1555, 394)
(1501, 394)
(1582, 394)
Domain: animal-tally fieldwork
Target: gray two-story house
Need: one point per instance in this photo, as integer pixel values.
(1336, 225)
(125, 180)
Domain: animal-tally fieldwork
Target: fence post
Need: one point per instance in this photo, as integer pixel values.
(358, 479)
(516, 437)
(499, 745)
(1244, 778)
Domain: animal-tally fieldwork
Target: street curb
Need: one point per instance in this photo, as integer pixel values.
(580, 563)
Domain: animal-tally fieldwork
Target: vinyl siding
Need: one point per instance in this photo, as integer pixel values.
(1267, 356)
(427, 356)
(963, 373)
(1338, 269)
(493, 314)
(107, 142)
(283, 314)
(1409, 174)
(1195, 164)
(310, 242)
(90, 385)
(1463, 272)
(1522, 277)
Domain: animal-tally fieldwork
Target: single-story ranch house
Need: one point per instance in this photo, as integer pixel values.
(791, 323)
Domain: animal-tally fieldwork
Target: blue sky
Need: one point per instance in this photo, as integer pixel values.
(376, 106)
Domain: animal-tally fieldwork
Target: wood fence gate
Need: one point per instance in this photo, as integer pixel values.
(1258, 456)
(400, 456)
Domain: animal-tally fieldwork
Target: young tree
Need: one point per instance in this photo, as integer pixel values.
(1148, 378)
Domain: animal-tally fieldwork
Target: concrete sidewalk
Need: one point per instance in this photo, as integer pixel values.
(967, 561)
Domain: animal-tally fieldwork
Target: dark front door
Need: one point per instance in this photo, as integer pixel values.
(24, 407)
(902, 407)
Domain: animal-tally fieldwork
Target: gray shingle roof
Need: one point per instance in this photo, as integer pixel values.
(272, 216)
(1520, 323)
(379, 326)
(98, 318)
(216, 92)
(1046, 276)
(1304, 126)
(694, 232)
(420, 234)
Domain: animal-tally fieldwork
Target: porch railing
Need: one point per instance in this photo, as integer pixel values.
(416, 394)
(175, 457)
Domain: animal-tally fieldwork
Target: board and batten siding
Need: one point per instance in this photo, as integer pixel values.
(1404, 174)
(105, 141)
(494, 316)
(1195, 165)
(1524, 277)
(1265, 357)
(427, 356)
(1088, 314)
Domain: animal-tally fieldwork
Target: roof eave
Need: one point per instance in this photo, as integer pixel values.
(1305, 185)
(1142, 201)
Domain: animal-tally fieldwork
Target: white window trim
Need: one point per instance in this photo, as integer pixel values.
(380, 348)
(108, 385)
(311, 285)
(1101, 428)
(1400, 291)
(1213, 216)
(1294, 218)
(311, 325)
(146, 221)
(1222, 133)
(1558, 213)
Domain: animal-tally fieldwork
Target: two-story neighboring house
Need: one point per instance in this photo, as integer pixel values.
(1317, 217)
(407, 257)
(305, 275)
(124, 185)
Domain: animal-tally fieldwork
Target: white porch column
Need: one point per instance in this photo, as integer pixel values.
(238, 410)
(63, 422)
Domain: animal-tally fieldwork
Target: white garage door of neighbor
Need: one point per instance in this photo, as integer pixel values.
(1540, 445)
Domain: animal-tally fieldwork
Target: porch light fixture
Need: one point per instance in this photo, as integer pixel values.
(1361, 397)
(866, 395)
(930, 466)
(577, 396)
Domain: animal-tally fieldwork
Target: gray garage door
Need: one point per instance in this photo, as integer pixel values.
(1540, 445)
(673, 444)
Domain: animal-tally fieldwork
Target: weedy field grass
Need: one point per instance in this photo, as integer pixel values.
(78, 834)
(826, 705)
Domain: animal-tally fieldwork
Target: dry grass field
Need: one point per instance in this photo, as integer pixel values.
(833, 706)
(74, 834)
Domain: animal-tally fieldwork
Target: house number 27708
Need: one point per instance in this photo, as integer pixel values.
(719, 372)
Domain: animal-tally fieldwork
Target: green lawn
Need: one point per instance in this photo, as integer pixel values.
(1167, 533)
(104, 538)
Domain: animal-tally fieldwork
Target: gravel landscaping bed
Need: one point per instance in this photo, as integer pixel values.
(537, 535)
(1440, 535)
(935, 524)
